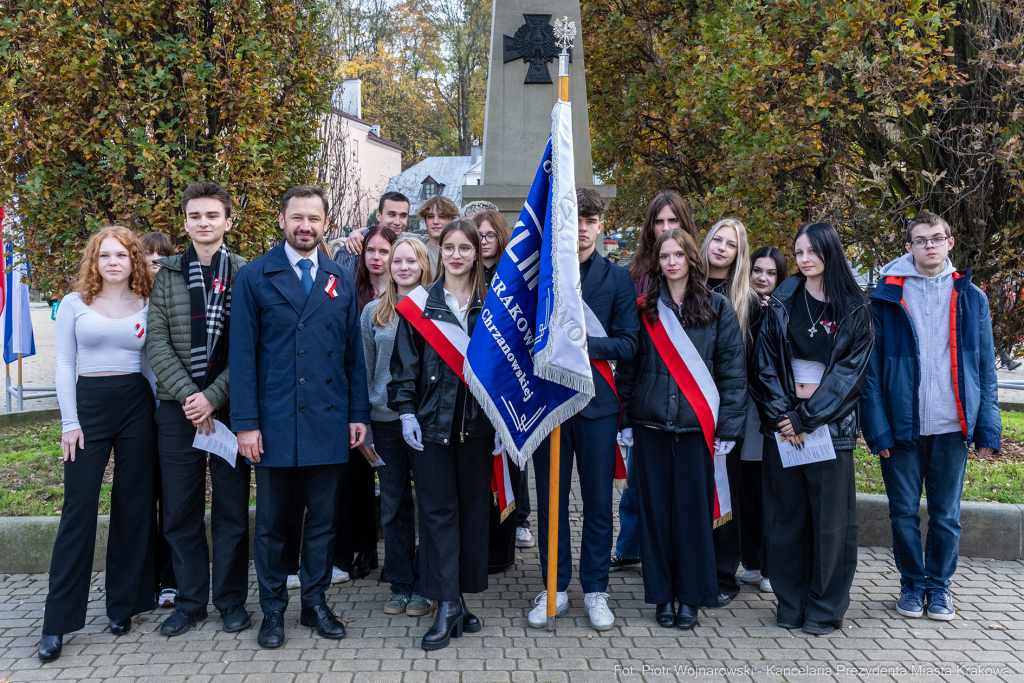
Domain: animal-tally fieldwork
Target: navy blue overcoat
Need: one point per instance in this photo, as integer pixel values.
(297, 371)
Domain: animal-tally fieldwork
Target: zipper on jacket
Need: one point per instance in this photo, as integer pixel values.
(462, 430)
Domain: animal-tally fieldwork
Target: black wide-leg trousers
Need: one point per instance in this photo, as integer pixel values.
(116, 413)
(183, 470)
(676, 476)
(813, 538)
(453, 491)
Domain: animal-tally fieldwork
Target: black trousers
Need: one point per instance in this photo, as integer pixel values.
(296, 514)
(453, 491)
(727, 536)
(523, 497)
(183, 470)
(815, 531)
(752, 540)
(116, 412)
(320, 487)
(501, 548)
(357, 518)
(676, 476)
(770, 450)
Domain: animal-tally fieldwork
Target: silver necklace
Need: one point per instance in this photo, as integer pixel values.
(814, 325)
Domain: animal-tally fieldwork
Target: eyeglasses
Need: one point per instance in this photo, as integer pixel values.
(488, 237)
(464, 249)
(922, 243)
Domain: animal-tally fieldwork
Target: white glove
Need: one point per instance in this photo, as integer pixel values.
(626, 437)
(723, 447)
(499, 447)
(411, 432)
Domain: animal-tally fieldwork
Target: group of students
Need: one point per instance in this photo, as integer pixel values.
(317, 344)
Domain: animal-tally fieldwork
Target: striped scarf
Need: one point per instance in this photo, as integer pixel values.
(210, 310)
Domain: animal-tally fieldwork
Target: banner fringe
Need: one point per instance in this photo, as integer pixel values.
(722, 520)
(619, 484)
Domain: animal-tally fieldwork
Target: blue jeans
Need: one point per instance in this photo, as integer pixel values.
(396, 507)
(939, 464)
(627, 545)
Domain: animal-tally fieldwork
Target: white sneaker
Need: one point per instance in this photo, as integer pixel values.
(766, 586)
(539, 614)
(167, 597)
(750, 576)
(596, 606)
(338, 576)
(293, 582)
(524, 539)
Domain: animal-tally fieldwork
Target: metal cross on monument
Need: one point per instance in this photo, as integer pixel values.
(534, 43)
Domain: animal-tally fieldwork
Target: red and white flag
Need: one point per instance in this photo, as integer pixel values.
(450, 342)
(698, 386)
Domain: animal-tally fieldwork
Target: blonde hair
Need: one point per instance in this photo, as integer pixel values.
(739, 292)
(384, 314)
(90, 282)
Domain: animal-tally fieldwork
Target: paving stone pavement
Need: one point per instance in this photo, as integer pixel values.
(737, 643)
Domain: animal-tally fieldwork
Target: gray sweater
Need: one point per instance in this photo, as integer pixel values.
(378, 343)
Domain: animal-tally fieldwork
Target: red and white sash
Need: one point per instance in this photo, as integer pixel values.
(604, 368)
(698, 386)
(450, 342)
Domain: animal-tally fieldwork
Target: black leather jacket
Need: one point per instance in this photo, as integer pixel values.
(424, 385)
(650, 396)
(836, 399)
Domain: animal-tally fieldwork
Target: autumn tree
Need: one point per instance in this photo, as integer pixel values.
(109, 110)
(860, 112)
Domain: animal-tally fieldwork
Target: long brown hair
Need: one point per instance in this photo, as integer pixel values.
(90, 282)
(477, 281)
(499, 224)
(646, 257)
(384, 314)
(364, 288)
(695, 309)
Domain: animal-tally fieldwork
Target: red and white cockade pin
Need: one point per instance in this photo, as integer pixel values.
(332, 284)
(139, 330)
(218, 285)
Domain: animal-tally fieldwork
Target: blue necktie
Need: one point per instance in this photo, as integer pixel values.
(307, 279)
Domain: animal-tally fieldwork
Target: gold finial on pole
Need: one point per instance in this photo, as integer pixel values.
(565, 33)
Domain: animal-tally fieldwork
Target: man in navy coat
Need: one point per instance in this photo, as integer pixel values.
(297, 379)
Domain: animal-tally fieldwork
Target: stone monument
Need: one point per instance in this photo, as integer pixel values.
(520, 96)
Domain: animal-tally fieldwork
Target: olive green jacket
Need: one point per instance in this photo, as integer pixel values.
(169, 337)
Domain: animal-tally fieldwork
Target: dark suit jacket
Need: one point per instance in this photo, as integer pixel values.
(297, 371)
(608, 290)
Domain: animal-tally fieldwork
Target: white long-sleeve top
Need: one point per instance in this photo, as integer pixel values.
(99, 344)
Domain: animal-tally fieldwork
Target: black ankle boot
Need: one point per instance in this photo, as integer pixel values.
(447, 623)
(363, 563)
(50, 647)
(687, 617)
(665, 614)
(470, 622)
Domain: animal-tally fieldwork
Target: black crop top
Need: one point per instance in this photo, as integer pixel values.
(811, 326)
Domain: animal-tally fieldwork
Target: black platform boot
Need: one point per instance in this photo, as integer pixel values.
(470, 622)
(447, 623)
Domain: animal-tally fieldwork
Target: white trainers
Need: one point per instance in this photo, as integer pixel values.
(750, 576)
(167, 597)
(338, 576)
(766, 586)
(596, 606)
(293, 582)
(524, 539)
(539, 614)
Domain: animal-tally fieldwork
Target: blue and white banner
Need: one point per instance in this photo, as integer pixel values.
(527, 362)
(18, 336)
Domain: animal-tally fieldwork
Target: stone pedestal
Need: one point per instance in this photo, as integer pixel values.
(517, 119)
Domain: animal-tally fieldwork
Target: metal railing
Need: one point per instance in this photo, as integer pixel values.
(1016, 385)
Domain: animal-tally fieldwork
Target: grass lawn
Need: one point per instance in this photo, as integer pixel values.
(32, 472)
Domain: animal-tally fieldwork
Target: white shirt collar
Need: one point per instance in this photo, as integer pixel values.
(294, 257)
(460, 312)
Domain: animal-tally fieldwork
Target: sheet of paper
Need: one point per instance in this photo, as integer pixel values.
(817, 448)
(379, 462)
(221, 442)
